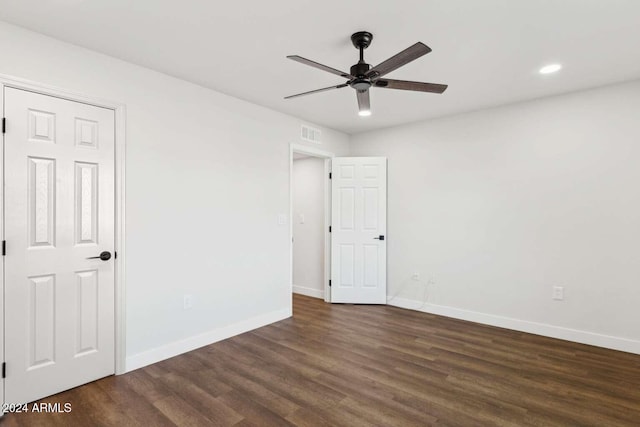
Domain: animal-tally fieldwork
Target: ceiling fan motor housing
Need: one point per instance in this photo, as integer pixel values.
(360, 69)
(360, 82)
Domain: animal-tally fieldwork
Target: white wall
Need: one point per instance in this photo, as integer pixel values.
(308, 236)
(207, 176)
(496, 207)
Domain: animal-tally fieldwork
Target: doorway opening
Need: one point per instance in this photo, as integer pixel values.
(310, 213)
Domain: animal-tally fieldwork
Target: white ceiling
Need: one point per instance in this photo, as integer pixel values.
(487, 51)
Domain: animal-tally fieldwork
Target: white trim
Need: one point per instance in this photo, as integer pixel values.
(311, 151)
(19, 83)
(310, 292)
(120, 149)
(327, 155)
(327, 236)
(567, 334)
(2, 235)
(188, 344)
(120, 224)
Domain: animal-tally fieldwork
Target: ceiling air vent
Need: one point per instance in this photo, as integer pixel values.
(310, 134)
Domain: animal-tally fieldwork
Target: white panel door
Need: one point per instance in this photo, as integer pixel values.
(358, 230)
(59, 212)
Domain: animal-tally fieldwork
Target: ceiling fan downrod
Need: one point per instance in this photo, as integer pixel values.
(361, 40)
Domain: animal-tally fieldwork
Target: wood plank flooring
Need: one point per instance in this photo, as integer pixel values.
(348, 365)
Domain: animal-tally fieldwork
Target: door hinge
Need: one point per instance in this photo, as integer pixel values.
(329, 283)
(4, 369)
(329, 175)
(4, 247)
(329, 229)
(4, 125)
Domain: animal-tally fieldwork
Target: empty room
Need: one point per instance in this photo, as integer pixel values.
(302, 213)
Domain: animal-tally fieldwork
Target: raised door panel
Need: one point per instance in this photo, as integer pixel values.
(370, 208)
(41, 196)
(88, 309)
(347, 211)
(42, 126)
(86, 133)
(86, 203)
(370, 270)
(42, 322)
(346, 265)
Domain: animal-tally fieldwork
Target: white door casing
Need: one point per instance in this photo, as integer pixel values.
(59, 211)
(2, 401)
(358, 220)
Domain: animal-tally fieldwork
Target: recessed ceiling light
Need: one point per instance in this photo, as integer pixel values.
(364, 113)
(550, 69)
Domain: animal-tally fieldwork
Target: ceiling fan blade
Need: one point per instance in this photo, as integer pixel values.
(407, 85)
(316, 91)
(320, 66)
(364, 104)
(409, 54)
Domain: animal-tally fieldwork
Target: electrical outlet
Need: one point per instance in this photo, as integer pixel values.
(188, 302)
(558, 293)
(416, 276)
(282, 219)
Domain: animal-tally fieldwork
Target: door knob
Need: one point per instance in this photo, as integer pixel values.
(104, 256)
(381, 237)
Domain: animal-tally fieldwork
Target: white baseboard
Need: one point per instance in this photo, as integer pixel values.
(310, 292)
(583, 337)
(178, 347)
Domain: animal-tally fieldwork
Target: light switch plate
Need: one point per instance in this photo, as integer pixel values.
(558, 293)
(188, 302)
(282, 219)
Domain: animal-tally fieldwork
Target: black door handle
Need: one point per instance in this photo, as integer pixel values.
(104, 256)
(381, 237)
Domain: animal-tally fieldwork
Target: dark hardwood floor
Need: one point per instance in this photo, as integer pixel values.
(349, 365)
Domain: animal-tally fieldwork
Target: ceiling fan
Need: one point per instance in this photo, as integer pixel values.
(361, 76)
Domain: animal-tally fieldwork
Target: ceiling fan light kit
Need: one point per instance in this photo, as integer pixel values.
(362, 77)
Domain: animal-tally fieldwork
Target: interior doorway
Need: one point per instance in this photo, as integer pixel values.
(354, 254)
(310, 221)
(308, 225)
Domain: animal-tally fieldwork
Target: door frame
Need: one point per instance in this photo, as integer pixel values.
(119, 110)
(327, 156)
